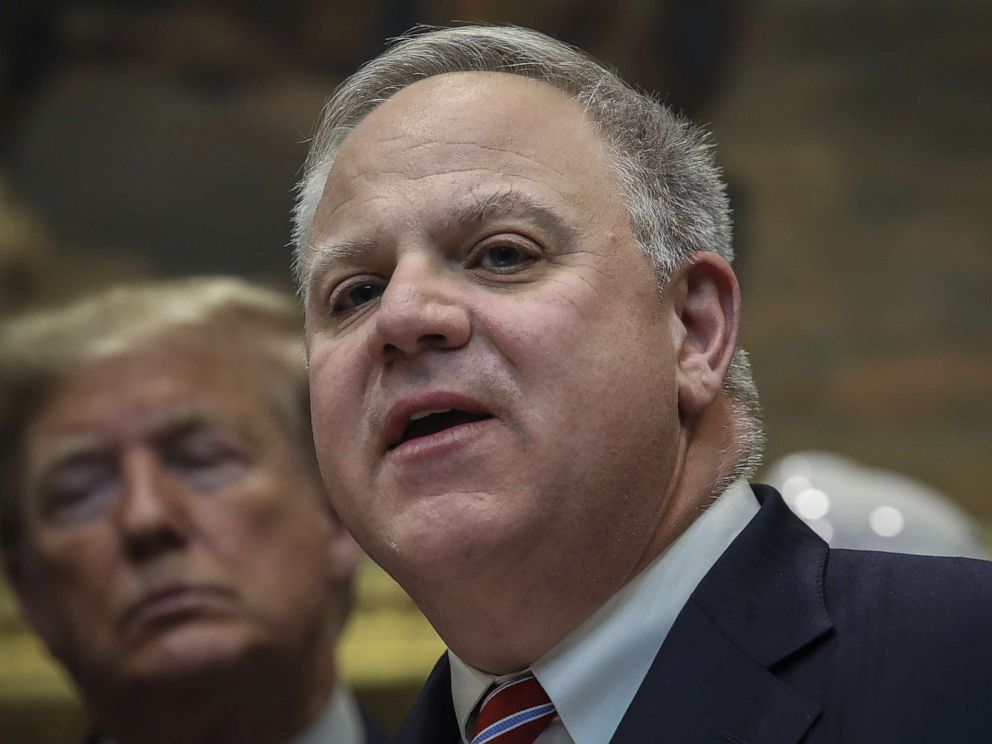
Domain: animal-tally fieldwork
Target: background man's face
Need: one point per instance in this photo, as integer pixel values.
(172, 523)
(471, 253)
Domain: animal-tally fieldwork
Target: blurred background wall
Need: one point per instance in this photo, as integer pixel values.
(145, 137)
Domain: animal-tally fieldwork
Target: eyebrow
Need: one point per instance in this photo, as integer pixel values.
(69, 450)
(325, 255)
(508, 203)
(74, 448)
(477, 210)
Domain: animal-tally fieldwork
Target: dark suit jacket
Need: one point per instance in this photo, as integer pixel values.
(787, 641)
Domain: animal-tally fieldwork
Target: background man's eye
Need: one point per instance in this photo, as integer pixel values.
(205, 459)
(357, 295)
(78, 494)
(209, 474)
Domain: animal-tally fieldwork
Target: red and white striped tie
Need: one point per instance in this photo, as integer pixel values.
(515, 712)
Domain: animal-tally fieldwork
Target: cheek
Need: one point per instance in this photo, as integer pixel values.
(244, 529)
(339, 375)
(270, 553)
(81, 567)
(272, 563)
(589, 363)
(84, 590)
(583, 343)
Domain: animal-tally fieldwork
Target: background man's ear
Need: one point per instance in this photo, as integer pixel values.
(707, 302)
(31, 595)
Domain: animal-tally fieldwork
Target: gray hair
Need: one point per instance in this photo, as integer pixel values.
(665, 165)
(40, 350)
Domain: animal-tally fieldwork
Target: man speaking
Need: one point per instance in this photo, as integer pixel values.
(530, 409)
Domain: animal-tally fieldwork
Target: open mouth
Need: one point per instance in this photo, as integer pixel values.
(426, 423)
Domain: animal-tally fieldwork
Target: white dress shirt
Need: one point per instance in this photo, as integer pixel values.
(593, 674)
(340, 723)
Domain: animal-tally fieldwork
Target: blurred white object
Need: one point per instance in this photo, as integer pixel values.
(851, 505)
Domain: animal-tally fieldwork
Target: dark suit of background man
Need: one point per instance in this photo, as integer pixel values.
(164, 524)
(530, 409)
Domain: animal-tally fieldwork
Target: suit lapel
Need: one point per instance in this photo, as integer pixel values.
(432, 718)
(713, 679)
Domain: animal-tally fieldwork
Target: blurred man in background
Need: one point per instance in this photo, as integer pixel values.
(530, 408)
(163, 521)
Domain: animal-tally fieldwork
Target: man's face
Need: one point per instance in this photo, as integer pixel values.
(492, 367)
(172, 523)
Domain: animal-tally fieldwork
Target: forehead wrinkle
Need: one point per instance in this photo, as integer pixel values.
(373, 144)
(492, 149)
(505, 203)
(357, 165)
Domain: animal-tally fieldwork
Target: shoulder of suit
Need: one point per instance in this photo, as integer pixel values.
(918, 596)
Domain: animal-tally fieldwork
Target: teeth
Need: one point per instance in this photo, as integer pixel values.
(425, 414)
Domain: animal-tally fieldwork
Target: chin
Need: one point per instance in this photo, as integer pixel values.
(451, 545)
(190, 650)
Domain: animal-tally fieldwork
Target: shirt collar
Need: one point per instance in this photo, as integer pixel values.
(619, 641)
(340, 722)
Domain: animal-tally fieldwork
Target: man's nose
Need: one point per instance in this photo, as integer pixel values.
(421, 309)
(149, 512)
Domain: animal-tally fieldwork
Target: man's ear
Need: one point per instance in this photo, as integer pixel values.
(30, 591)
(707, 304)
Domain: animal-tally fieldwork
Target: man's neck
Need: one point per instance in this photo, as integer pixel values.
(261, 705)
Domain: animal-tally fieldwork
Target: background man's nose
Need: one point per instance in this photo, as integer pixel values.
(149, 510)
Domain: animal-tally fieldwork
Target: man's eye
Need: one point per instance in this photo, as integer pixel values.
(209, 475)
(79, 494)
(504, 257)
(205, 461)
(356, 294)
